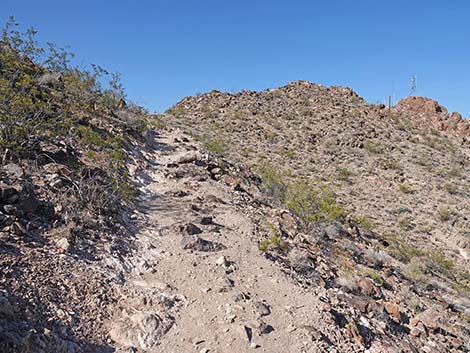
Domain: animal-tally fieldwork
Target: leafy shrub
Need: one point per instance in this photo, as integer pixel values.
(343, 173)
(310, 203)
(405, 188)
(444, 214)
(273, 243)
(274, 182)
(216, 147)
(32, 112)
(373, 147)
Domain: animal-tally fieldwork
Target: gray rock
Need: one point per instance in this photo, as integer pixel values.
(51, 80)
(10, 209)
(140, 330)
(334, 230)
(262, 308)
(13, 171)
(193, 242)
(191, 229)
(6, 308)
(126, 117)
(264, 328)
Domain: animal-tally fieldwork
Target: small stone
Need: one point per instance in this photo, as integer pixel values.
(204, 350)
(230, 318)
(254, 345)
(230, 181)
(18, 229)
(10, 209)
(222, 261)
(368, 288)
(191, 229)
(193, 242)
(64, 245)
(206, 220)
(13, 171)
(262, 308)
(246, 332)
(393, 310)
(264, 328)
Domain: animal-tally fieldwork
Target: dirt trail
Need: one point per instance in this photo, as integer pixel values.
(207, 301)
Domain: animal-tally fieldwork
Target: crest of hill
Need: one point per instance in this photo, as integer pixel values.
(301, 96)
(379, 161)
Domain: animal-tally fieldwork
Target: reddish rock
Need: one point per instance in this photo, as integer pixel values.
(393, 310)
(367, 287)
(427, 113)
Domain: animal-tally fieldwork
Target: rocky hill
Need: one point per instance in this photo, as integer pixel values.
(399, 174)
(299, 219)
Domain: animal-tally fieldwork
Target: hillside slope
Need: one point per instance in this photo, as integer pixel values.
(406, 170)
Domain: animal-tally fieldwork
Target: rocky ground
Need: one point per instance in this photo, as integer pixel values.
(201, 283)
(198, 281)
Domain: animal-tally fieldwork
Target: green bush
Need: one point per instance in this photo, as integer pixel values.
(311, 204)
(343, 173)
(444, 214)
(216, 147)
(405, 188)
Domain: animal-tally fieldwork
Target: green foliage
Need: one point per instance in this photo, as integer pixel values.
(31, 113)
(363, 222)
(343, 173)
(373, 147)
(405, 188)
(403, 251)
(216, 147)
(438, 262)
(274, 182)
(310, 203)
(273, 243)
(443, 214)
(375, 276)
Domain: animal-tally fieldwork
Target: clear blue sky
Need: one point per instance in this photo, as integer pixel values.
(168, 49)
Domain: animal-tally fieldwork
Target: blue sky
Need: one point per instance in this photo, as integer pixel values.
(167, 50)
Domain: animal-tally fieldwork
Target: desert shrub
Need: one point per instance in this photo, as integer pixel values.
(455, 170)
(402, 250)
(273, 243)
(311, 203)
(405, 188)
(451, 188)
(32, 112)
(274, 181)
(216, 146)
(436, 261)
(444, 214)
(363, 222)
(373, 147)
(343, 173)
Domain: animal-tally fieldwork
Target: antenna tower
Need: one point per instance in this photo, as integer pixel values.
(413, 85)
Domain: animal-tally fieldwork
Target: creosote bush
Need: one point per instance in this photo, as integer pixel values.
(43, 98)
(309, 202)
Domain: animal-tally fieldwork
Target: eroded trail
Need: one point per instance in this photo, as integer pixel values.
(221, 295)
